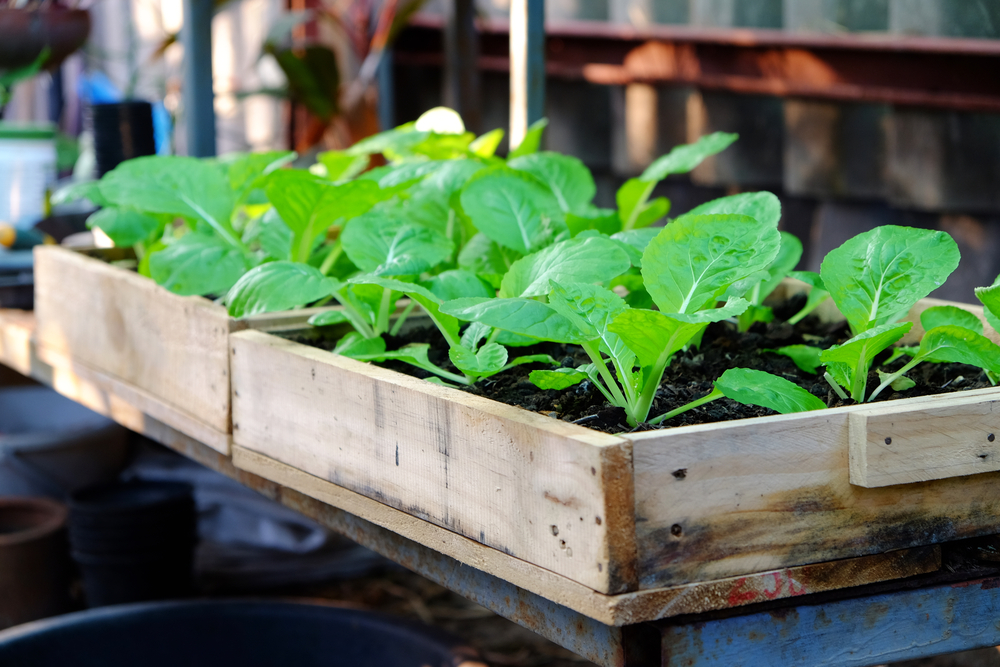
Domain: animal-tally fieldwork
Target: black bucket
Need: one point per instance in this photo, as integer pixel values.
(230, 632)
(134, 541)
(122, 131)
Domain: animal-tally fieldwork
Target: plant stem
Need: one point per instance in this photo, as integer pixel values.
(715, 394)
(892, 378)
(331, 258)
(836, 387)
(382, 321)
(595, 355)
(402, 318)
(806, 309)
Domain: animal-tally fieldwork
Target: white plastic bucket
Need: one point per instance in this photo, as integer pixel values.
(27, 169)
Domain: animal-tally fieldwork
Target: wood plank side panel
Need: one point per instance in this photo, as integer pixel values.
(519, 482)
(747, 496)
(952, 437)
(124, 325)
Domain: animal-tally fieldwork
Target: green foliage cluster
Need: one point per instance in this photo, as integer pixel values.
(505, 253)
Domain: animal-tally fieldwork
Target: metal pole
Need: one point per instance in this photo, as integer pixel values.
(461, 58)
(199, 97)
(527, 66)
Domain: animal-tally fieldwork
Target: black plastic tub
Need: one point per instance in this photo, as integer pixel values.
(122, 131)
(230, 632)
(134, 541)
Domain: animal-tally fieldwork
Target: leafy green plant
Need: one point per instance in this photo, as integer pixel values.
(875, 278)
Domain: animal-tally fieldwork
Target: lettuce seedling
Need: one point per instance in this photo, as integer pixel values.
(875, 278)
(752, 387)
(692, 264)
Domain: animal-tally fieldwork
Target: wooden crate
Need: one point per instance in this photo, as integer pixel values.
(615, 513)
(164, 352)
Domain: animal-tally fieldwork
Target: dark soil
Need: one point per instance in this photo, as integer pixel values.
(690, 375)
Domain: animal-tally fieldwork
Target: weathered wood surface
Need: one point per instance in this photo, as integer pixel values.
(552, 493)
(719, 500)
(952, 437)
(124, 325)
(618, 610)
(16, 330)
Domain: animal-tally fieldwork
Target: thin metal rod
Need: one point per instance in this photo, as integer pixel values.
(199, 97)
(527, 66)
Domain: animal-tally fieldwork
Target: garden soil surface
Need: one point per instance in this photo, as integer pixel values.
(690, 375)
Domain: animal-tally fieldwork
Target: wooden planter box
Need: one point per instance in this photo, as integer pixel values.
(632, 512)
(164, 353)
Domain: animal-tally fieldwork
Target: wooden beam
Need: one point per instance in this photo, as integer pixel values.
(527, 66)
(462, 91)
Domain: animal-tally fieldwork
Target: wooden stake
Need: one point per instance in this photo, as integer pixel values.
(527, 66)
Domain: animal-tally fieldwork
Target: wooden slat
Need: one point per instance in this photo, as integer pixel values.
(951, 437)
(127, 327)
(719, 500)
(622, 609)
(16, 329)
(552, 493)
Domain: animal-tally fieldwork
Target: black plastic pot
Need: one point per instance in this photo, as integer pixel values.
(122, 131)
(134, 541)
(230, 632)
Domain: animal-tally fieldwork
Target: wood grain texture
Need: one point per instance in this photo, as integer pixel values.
(121, 324)
(616, 610)
(951, 437)
(16, 330)
(551, 493)
(719, 500)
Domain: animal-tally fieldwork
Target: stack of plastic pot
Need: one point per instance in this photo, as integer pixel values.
(134, 541)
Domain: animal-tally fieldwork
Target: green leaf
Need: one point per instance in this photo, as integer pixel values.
(686, 157)
(88, 190)
(902, 383)
(390, 246)
(693, 260)
(939, 316)
(788, 257)
(567, 177)
(310, 205)
(857, 354)
(525, 317)
(810, 278)
(755, 314)
(458, 283)
(198, 264)
(954, 344)
(397, 140)
(355, 345)
(762, 206)
(559, 379)
(635, 242)
(125, 226)
(580, 260)
(486, 258)
(634, 209)
(532, 139)
(990, 298)
(486, 145)
(590, 308)
(427, 299)
(329, 318)
(512, 208)
(279, 286)
(474, 334)
(603, 220)
(489, 360)
(805, 357)
(867, 344)
(651, 335)
(247, 171)
(751, 387)
(341, 166)
(532, 359)
(184, 186)
(271, 233)
(876, 277)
